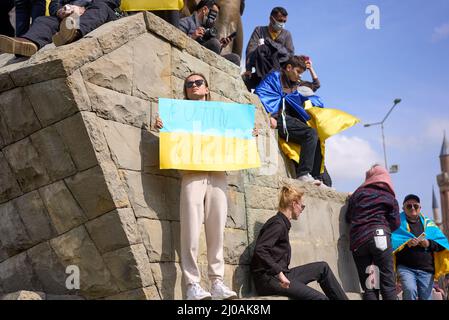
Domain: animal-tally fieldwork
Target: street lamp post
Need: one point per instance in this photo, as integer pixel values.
(395, 102)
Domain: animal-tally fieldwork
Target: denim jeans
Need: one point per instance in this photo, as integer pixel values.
(416, 284)
(26, 9)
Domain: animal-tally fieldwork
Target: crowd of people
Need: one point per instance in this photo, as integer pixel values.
(406, 245)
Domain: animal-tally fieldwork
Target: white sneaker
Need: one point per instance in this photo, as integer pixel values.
(308, 178)
(221, 292)
(196, 292)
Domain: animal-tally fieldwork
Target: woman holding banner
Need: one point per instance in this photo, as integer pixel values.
(203, 198)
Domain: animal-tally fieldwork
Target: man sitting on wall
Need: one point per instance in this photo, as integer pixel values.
(200, 27)
(69, 21)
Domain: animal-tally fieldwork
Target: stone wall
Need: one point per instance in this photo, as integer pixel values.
(79, 175)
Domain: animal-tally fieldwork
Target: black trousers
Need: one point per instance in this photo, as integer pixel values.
(307, 138)
(5, 25)
(98, 13)
(26, 9)
(299, 277)
(368, 254)
(215, 45)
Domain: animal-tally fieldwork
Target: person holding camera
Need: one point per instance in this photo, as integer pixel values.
(69, 21)
(200, 26)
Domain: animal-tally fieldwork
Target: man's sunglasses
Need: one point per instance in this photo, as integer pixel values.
(198, 83)
(410, 206)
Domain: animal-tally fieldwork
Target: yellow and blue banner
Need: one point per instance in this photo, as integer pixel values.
(401, 236)
(207, 135)
(150, 5)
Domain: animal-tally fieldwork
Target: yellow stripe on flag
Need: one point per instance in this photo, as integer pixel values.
(187, 151)
(327, 122)
(149, 5)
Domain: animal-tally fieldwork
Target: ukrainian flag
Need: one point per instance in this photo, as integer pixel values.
(402, 236)
(207, 136)
(149, 5)
(327, 122)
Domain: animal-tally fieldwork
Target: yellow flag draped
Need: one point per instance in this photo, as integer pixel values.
(327, 123)
(149, 5)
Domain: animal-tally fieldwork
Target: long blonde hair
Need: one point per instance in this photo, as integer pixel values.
(288, 194)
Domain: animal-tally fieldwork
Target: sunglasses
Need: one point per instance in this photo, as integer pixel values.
(198, 83)
(302, 206)
(412, 206)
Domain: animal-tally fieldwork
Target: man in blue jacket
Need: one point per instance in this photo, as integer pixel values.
(69, 20)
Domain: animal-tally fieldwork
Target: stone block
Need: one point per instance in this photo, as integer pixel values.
(258, 197)
(58, 99)
(157, 239)
(54, 154)
(13, 234)
(77, 249)
(65, 213)
(153, 197)
(27, 165)
(183, 64)
(75, 137)
(217, 97)
(48, 269)
(177, 86)
(34, 216)
(17, 274)
(236, 180)
(114, 230)
(236, 210)
(17, 118)
(235, 246)
(113, 70)
(113, 35)
(91, 191)
(231, 88)
(319, 218)
(176, 239)
(165, 30)
(152, 67)
(9, 188)
(256, 220)
(119, 107)
(59, 62)
(239, 279)
(168, 278)
(130, 267)
(6, 82)
(125, 143)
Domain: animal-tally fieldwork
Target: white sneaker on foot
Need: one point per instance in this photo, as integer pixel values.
(308, 178)
(196, 292)
(221, 292)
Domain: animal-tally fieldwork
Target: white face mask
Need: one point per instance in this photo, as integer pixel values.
(277, 26)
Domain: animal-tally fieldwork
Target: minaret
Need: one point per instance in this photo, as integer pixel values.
(435, 210)
(443, 184)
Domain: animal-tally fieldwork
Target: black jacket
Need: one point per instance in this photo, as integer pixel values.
(272, 253)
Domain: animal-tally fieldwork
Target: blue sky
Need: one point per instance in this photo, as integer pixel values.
(362, 71)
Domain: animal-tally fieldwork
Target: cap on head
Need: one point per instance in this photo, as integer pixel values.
(411, 197)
